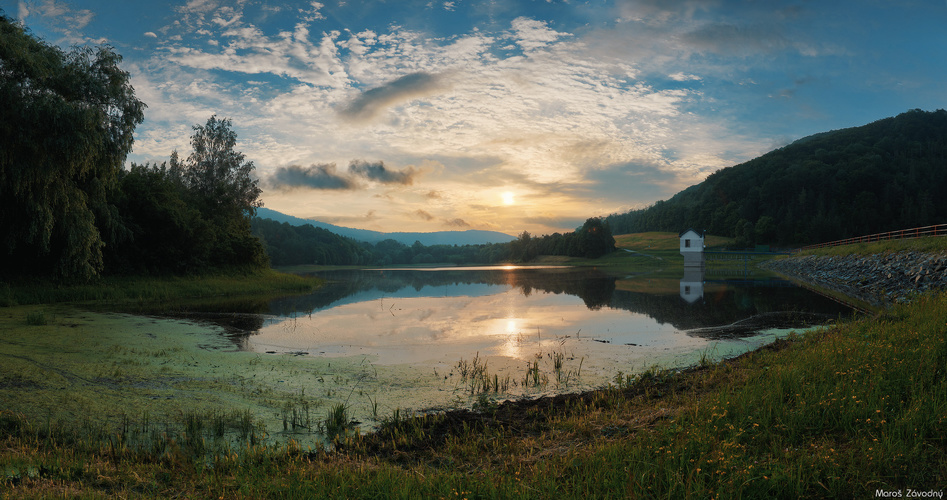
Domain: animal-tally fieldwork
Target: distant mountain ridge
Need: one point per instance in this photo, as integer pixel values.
(468, 237)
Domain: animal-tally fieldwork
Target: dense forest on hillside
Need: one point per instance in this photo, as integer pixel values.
(289, 245)
(890, 174)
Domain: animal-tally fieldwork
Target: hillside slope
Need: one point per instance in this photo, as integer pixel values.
(889, 174)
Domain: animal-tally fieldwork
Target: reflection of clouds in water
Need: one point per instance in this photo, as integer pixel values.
(414, 322)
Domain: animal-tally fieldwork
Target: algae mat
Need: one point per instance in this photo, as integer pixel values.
(67, 365)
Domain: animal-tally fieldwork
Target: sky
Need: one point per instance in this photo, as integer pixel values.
(507, 115)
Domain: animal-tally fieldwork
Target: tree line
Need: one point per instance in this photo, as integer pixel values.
(301, 245)
(879, 177)
(71, 211)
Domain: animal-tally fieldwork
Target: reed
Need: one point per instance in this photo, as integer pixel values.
(36, 318)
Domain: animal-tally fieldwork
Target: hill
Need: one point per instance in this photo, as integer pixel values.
(887, 175)
(469, 237)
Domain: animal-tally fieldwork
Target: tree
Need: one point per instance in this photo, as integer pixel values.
(595, 238)
(217, 174)
(66, 126)
(217, 180)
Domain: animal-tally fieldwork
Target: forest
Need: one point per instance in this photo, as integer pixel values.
(72, 211)
(887, 175)
(289, 245)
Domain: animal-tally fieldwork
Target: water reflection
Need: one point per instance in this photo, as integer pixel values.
(425, 316)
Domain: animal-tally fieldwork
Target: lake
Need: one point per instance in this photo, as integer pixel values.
(578, 327)
(386, 341)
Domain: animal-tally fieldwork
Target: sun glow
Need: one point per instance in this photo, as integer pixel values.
(508, 198)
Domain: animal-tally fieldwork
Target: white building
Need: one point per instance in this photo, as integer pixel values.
(692, 245)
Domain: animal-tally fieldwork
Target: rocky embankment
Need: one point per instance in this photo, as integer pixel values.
(879, 279)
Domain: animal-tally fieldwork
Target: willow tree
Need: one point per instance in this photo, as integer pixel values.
(66, 126)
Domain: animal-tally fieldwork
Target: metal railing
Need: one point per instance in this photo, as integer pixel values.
(917, 232)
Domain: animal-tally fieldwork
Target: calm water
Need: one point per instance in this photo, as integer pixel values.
(513, 316)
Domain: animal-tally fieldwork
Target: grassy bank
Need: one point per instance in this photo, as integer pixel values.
(934, 244)
(130, 292)
(836, 413)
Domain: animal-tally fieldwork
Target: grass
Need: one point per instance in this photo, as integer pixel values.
(36, 318)
(835, 413)
(663, 241)
(136, 292)
(935, 244)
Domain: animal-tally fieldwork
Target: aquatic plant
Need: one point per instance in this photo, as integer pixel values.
(477, 379)
(337, 421)
(36, 318)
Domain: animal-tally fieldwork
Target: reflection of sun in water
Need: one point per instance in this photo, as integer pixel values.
(512, 345)
(508, 198)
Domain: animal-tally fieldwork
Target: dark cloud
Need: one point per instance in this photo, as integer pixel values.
(422, 214)
(322, 176)
(373, 101)
(457, 223)
(326, 176)
(379, 173)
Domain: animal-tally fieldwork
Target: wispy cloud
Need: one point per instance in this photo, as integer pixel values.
(372, 102)
(62, 18)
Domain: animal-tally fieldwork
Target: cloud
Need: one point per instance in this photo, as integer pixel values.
(322, 176)
(312, 14)
(151, 34)
(62, 19)
(326, 176)
(422, 214)
(456, 223)
(379, 173)
(532, 34)
(680, 76)
(372, 102)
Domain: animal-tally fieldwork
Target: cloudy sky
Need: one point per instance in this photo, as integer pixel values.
(507, 115)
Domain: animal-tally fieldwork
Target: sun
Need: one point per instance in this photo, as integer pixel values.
(508, 198)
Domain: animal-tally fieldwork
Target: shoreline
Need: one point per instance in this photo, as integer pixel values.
(879, 280)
